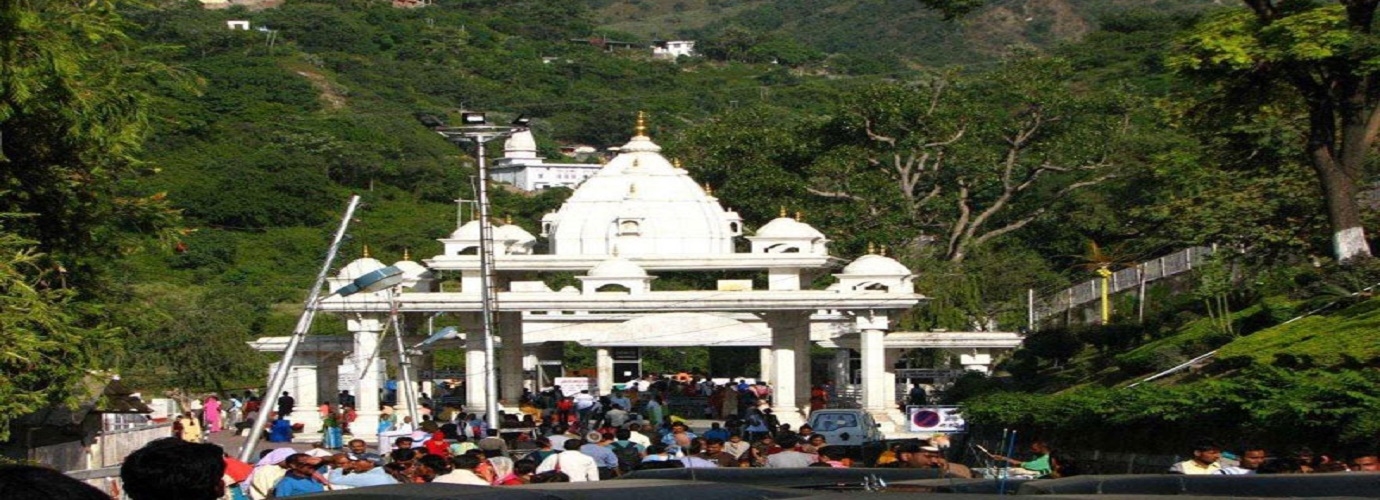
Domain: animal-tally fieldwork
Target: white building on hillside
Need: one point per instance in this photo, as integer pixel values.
(671, 49)
(521, 167)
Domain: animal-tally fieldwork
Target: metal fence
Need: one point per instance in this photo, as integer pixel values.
(1126, 279)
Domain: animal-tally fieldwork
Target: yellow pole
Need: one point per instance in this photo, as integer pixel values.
(1106, 275)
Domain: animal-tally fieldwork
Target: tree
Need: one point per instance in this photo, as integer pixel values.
(973, 158)
(72, 117)
(45, 348)
(1324, 54)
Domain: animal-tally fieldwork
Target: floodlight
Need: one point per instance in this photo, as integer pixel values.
(373, 281)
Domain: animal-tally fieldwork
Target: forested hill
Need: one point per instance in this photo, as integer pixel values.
(869, 35)
(202, 222)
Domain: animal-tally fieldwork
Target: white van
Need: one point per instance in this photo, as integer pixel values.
(847, 427)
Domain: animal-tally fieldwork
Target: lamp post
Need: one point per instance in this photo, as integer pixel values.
(477, 129)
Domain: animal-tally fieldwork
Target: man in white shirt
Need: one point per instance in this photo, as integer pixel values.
(584, 403)
(1206, 453)
(636, 436)
(579, 466)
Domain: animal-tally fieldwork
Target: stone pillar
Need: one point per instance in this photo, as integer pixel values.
(366, 375)
(603, 363)
(302, 384)
(892, 356)
(871, 330)
(839, 367)
(802, 365)
(786, 329)
(475, 388)
(765, 355)
(510, 365)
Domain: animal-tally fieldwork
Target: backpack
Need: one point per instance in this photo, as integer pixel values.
(628, 456)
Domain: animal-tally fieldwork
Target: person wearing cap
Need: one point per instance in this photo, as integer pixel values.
(597, 447)
(923, 456)
(1206, 453)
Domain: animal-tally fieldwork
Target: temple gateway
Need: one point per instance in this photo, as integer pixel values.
(637, 216)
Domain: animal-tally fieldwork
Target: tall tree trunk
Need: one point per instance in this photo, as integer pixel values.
(1339, 190)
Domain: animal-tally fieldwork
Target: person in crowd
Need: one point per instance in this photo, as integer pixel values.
(714, 452)
(462, 471)
(429, 468)
(359, 450)
(835, 456)
(1250, 460)
(597, 447)
(1368, 462)
(301, 477)
(280, 431)
(790, 456)
(285, 405)
(655, 409)
(30, 482)
(694, 459)
(492, 445)
(544, 450)
(1206, 454)
(716, 431)
(763, 448)
(736, 446)
(680, 435)
(756, 425)
(635, 435)
(171, 468)
(553, 476)
(191, 427)
(211, 410)
(578, 466)
(437, 445)
(1041, 465)
(503, 471)
(270, 468)
(629, 454)
(357, 472)
(616, 417)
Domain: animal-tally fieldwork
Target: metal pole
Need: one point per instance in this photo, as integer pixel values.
(403, 360)
(486, 288)
(279, 377)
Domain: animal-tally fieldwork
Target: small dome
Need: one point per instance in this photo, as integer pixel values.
(360, 267)
(875, 265)
(520, 145)
(617, 267)
(512, 232)
(468, 232)
(411, 270)
(786, 227)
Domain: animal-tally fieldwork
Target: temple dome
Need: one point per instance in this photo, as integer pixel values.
(875, 265)
(643, 205)
(617, 267)
(786, 227)
(360, 267)
(513, 232)
(468, 232)
(520, 145)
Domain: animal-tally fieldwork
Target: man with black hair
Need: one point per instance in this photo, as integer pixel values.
(1206, 453)
(173, 468)
(285, 405)
(359, 450)
(579, 466)
(463, 471)
(28, 482)
(301, 478)
(1251, 458)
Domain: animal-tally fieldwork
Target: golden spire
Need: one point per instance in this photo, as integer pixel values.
(883, 250)
(366, 251)
(676, 162)
(641, 130)
(407, 255)
(871, 248)
(798, 215)
(783, 211)
(632, 189)
(508, 219)
(709, 190)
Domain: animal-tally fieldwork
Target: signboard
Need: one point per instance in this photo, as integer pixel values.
(625, 354)
(940, 419)
(347, 378)
(572, 385)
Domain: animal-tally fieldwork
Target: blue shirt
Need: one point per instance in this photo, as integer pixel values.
(291, 486)
(603, 457)
(375, 477)
(720, 434)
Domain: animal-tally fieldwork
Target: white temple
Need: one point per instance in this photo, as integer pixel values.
(521, 167)
(637, 216)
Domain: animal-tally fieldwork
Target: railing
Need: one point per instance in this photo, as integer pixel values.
(116, 445)
(1132, 277)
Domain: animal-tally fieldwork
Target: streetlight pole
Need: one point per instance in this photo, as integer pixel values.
(477, 130)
